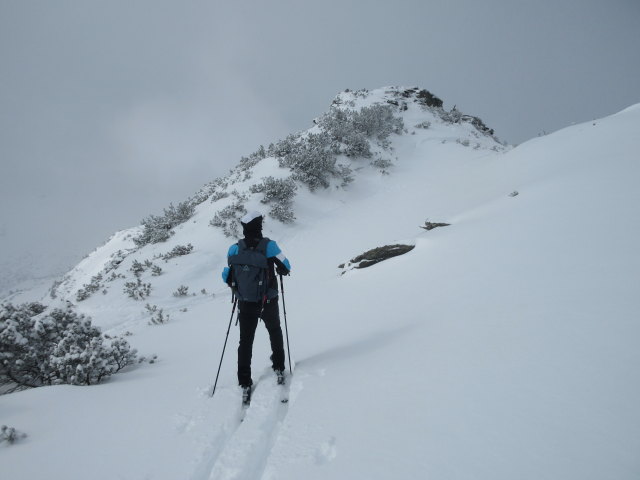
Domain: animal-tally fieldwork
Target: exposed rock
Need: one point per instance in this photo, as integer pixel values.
(376, 255)
(432, 225)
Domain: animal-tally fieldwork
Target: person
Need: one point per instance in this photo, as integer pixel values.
(265, 308)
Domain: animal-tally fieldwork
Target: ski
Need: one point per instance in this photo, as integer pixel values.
(246, 396)
(284, 398)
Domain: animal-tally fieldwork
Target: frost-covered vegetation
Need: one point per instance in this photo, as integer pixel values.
(10, 435)
(40, 347)
(279, 194)
(157, 316)
(160, 228)
(316, 158)
(177, 251)
(137, 290)
(182, 291)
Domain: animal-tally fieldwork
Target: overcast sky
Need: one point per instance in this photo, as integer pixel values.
(109, 110)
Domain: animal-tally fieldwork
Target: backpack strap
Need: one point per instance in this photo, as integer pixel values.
(262, 246)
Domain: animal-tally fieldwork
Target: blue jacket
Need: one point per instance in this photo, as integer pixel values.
(274, 256)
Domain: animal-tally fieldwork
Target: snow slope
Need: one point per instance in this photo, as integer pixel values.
(503, 346)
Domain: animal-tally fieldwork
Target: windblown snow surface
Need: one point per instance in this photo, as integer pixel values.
(504, 346)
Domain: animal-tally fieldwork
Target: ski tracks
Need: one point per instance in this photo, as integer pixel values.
(241, 449)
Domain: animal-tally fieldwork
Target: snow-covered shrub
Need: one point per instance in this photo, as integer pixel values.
(229, 219)
(283, 147)
(382, 164)
(87, 289)
(218, 196)
(50, 348)
(177, 251)
(10, 435)
(114, 276)
(246, 163)
(53, 291)
(182, 291)
(377, 121)
(156, 270)
(311, 161)
(160, 228)
(157, 315)
(116, 259)
(454, 116)
(137, 290)
(279, 193)
(137, 268)
(350, 130)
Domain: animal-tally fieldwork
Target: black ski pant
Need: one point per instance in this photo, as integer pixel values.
(249, 315)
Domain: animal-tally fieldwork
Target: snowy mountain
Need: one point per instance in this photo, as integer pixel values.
(501, 346)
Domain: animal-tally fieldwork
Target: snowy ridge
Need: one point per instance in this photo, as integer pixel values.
(500, 347)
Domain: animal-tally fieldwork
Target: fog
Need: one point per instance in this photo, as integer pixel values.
(109, 111)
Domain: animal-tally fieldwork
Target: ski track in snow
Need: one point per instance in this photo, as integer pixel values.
(241, 449)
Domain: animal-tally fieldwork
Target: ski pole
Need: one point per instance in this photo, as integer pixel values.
(235, 302)
(286, 329)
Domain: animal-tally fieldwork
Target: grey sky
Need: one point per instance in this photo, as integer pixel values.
(111, 110)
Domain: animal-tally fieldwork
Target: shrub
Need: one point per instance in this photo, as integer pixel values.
(177, 251)
(229, 218)
(349, 131)
(182, 291)
(58, 347)
(157, 317)
(10, 435)
(382, 164)
(88, 289)
(137, 268)
(279, 193)
(311, 161)
(160, 228)
(137, 290)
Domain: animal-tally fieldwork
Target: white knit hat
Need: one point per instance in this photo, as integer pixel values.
(250, 216)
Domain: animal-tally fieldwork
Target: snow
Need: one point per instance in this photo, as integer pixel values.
(503, 346)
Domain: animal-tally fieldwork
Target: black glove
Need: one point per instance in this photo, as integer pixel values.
(282, 271)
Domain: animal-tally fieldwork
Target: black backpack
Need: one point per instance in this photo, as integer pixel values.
(250, 273)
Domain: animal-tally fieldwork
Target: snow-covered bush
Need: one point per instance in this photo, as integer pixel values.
(137, 290)
(279, 193)
(229, 219)
(215, 196)
(311, 161)
(10, 435)
(157, 315)
(350, 131)
(60, 346)
(425, 125)
(182, 291)
(116, 259)
(160, 228)
(382, 164)
(137, 268)
(177, 251)
(88, 289)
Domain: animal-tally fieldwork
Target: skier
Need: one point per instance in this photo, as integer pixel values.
(246, 265)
